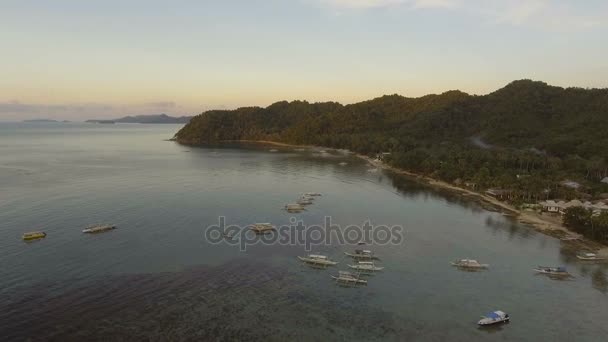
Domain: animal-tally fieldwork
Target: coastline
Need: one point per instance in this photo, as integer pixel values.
(544, 224)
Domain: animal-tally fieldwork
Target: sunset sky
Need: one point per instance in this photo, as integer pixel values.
(97, 59)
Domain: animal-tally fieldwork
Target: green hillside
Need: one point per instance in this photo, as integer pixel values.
(542, 133)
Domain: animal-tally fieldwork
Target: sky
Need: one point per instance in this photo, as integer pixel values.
(77, 60)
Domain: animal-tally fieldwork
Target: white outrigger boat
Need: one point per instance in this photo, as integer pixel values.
(262, 228)
(494, 318)
(554, 271)
(366, 266)
(362, 254)
(470, 264)
(347, 278)
(99, 228)
(589, 256)
(318, 260)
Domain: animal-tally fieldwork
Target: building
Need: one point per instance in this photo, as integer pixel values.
(550, 206)
(561, 206)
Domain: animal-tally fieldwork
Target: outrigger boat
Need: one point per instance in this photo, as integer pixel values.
(366, 266)
(317, 260)
(305, 201)
(362, 254)
(99, 228)
(262, 228)
(294, 208)
(494, 318)
(312, 194)
(347, 278)
(589, 256)
(469, 263)
(33, 236)
(555, 271)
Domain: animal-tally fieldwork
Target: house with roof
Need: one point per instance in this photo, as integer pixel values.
(550, 206)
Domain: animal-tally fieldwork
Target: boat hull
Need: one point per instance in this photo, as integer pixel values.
(33, 236)
(505, 320)
(97, 230)
(318, 261)
(590, 258)
(350, 281)
(366, 269)
(362, 256)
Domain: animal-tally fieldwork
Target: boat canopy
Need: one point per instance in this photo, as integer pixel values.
(315, 256)
(494, 315)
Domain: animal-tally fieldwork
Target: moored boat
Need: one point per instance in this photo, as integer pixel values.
(469, 263)
(494, 318)
(100, 228)
(262, 228)
(318, 260)
(33, 236)
(313, 194)
(349, 278)
(304, 201)
(556, 271)
(589, 256)
(366, 266)
(294, 207)
(362, 254)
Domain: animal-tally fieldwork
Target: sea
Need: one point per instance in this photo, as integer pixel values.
(165, 274)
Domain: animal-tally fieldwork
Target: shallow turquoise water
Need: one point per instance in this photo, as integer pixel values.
(156, 277)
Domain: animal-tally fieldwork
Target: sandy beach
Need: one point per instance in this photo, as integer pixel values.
(548, 224)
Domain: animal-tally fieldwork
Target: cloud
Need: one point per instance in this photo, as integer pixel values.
(554, 15)
(362, 4)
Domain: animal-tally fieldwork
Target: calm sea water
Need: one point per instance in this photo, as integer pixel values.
(156, 278)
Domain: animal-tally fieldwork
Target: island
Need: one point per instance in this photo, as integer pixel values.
(148, 119)
(519, 146)
(41, 120)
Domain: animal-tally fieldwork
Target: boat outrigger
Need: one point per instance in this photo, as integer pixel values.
(99, 228)
(33, 236)
(555, 271)
(262, 228)
(362, 254)
(470, 264)
(589, 256)
(318, 260)
(494, 318)
(348, 278)
(366, 266)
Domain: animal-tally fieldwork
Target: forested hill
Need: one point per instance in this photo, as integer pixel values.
(528, 128)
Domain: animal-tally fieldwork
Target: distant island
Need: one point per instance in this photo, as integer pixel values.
(147, 119)
(42, 120)
(524, 144)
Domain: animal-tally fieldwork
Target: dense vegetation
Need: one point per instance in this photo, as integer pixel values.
(585, 222)
(526, 137)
